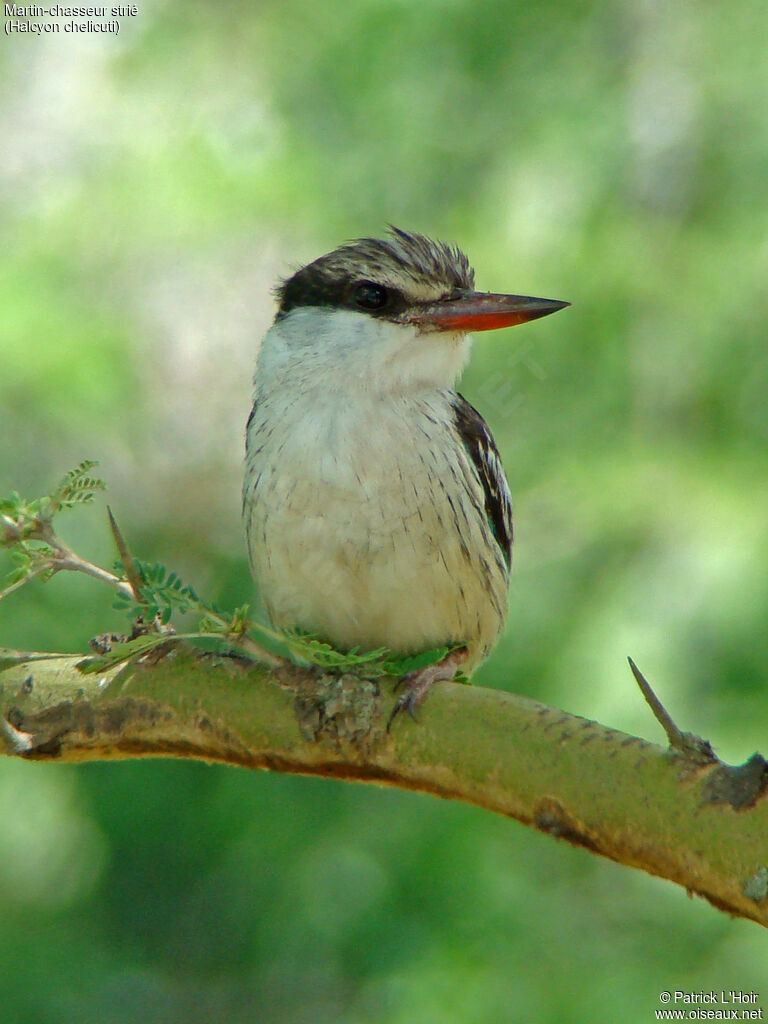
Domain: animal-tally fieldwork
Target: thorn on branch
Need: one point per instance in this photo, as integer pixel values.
(132, 571)
(692, 747)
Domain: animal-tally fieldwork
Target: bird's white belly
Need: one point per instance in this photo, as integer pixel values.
(380, 542)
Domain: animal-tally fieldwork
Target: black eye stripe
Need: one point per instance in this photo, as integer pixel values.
(313, 287)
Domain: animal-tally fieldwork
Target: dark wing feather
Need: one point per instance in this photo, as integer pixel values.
(481, 448)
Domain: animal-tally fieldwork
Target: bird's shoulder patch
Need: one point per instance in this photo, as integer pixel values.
(484, 455)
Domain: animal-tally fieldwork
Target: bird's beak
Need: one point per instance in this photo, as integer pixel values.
(481, 311)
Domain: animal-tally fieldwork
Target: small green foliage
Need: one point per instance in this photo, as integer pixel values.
(11, 505)
(234, 624)
(24, 518)
(415, 662)
(19, 519)
(370, 664)
(25, 525)
(30, 560)
(77, 487)
(162, 594)
(309, 647)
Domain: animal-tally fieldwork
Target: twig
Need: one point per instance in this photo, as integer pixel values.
(63, 558)
(67, 560)
(59, 557)
(25, 579)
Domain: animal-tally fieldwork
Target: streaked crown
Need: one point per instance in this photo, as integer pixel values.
(381, 277)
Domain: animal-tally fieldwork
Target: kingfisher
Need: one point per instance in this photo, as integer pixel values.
(376, 507)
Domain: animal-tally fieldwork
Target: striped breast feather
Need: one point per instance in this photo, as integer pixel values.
(484, 455)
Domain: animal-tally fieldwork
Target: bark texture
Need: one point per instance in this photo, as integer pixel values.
(704, 826)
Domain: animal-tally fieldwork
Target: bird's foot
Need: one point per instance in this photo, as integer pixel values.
(418, 684)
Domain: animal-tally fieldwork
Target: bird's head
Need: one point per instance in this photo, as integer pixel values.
(392, 314)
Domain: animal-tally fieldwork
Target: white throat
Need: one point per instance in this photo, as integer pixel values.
(341, 350)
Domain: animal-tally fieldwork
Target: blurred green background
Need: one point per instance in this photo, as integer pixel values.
(154, 185)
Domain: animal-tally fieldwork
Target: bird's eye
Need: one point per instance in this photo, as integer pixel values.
(368, 295)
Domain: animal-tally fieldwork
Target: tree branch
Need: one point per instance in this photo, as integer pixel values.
(702, 825)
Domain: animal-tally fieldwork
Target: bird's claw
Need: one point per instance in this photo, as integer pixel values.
(405, 702)
(418, 684)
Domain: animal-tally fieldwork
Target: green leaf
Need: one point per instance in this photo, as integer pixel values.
(370, 664)
(416, 662)
(77, 488)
